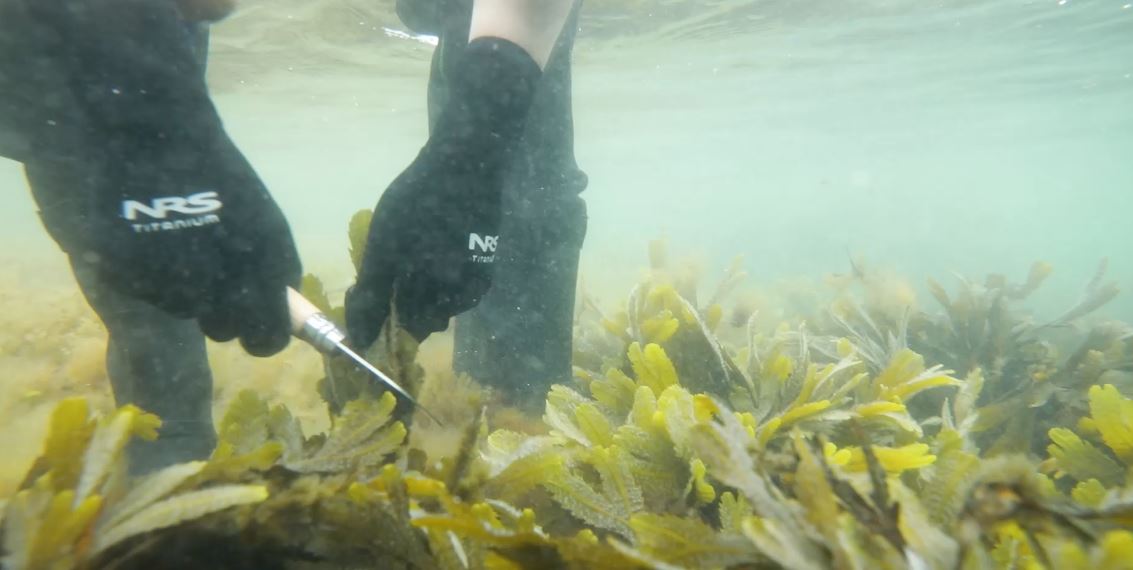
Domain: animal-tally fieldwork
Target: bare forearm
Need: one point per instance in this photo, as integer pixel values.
(534, 25)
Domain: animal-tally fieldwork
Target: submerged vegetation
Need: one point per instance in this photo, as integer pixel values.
(862, 433)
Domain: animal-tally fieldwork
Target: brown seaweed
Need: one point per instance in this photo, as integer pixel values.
(844, 442)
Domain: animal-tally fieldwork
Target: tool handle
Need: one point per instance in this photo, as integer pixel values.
(310, 325)
(301, 310)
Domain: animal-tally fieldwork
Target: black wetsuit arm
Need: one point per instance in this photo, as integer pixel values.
(77, 74)
(128, 110)
(132, 69)
(421, 16)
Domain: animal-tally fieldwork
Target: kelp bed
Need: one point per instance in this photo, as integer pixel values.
(865, 434)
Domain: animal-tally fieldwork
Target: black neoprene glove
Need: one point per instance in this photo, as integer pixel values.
(422, 16)
(212, 245)
(174, 214)
(435, 230)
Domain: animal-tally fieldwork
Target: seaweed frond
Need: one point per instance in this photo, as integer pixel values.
(186, 506)
(362, 437)
(357, 232)
(689, 543)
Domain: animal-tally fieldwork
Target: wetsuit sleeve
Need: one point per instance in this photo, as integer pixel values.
(36, 109)
(205, 10)
(172, 212)
(131, 72)
(421, 16)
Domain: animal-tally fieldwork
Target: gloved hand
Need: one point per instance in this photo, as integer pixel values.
(194, 232)
(432, 241)
(173, 213)
(433, 237)
(426, 16)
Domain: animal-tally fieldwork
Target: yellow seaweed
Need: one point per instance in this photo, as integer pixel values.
(687, 542)
(591, 506)
(652, 367)
(733, 510)
(357, 232)
(150, 489)
(62, 524)
(667, 457)
(615, 391)
(660, 328)
(183, 507)
(618, 482)
(106, 445)
(1116, 551)
(1090, 493)
(1081, 459)
(1113, 416)
(948, 479)
(593, 424)
(792, 416)
(699, 486)
(362, 437)
(893, 460)
(523, 474)
(70, 430)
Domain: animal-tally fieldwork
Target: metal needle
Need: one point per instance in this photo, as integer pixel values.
(310, 325)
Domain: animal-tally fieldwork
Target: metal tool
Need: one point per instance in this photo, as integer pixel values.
(310, 325)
